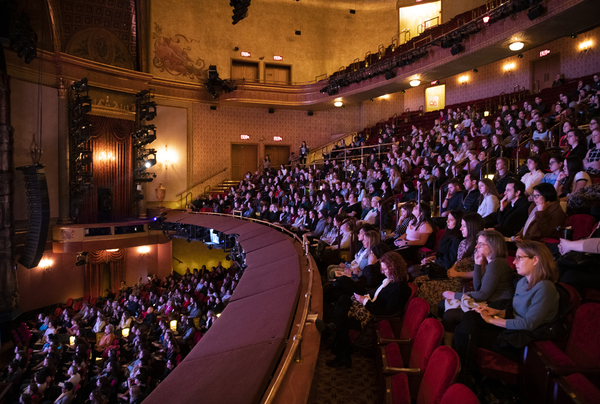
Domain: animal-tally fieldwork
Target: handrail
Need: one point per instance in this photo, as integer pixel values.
(314, 152)
(186, 199)
(296, 348)
(204, 180)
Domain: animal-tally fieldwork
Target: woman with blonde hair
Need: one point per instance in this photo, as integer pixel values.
(535, 304)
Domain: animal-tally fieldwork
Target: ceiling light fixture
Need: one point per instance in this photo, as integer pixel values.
(338, 104)
(516, 46)
(415, 82)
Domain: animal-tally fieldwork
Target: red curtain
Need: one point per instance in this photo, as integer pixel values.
(93, 270)
(112, 168)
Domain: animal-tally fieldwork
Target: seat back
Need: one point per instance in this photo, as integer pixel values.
(582, 225)
(415, 314)
(428, 338)
(439, 375)
(582, 346)
(459, 394)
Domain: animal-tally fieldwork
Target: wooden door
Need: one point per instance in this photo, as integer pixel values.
(545, 70)
(244, 70)
(244, 158)
(277, 74)
(278, 154)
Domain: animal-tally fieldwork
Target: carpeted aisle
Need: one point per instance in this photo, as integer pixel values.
(357, 385)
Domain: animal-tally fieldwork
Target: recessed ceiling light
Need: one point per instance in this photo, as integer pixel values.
(516, 46)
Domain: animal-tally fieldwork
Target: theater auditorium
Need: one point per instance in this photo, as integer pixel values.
(299, 201)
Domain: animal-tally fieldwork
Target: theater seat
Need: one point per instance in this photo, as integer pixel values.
(459, 394)
(544, 361)
(428, 338)
(575, 389)
(438, 377)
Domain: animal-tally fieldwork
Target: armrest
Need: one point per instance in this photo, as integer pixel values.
(567, 370)
(385, 341)
(408, 371)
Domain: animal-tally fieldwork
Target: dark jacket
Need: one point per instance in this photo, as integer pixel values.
(470, 201)
(390, 300)
(447, 250)
(546, 222)
(512, 219)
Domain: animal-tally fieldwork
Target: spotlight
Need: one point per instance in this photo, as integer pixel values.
(520, 56)
(81, 85)
(85, 158)
(148, 111)
(146, 135)
(535, 12)
(573, 35)
(81, 259)
(475, 70)
(456, 49)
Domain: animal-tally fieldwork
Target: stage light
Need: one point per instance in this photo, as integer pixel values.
(148, 111)
(81, 85)
(516, 46)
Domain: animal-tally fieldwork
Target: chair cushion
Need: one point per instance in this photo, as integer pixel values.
(427, 340)
(459, 394)
(495, 365)
(553, 353)
(439, 375)
(385, 329)
(415, 314)
(400, 391)
(583, 347)
(394, 359)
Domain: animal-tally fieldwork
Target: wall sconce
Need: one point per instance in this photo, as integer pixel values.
(72, 340)
(112, 250)
(586, 45)
(463, 79)
(144, 249)
(105, 156)
(45, 263)
(167, 158)
(486, 113)
(125, 332)
(173, 325)
(508, 67)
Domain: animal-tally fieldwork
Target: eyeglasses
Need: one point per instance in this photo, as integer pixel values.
(521, 257)
(536, 195)
(481, 244)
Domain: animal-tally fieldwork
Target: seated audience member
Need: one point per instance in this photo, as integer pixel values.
(514, 209)
(577, 144)
(572, 178)
(367, 238)
(354, 313)
(417, 232)
(534, 176)
(471, 194)
(555, 165)
(369, 278)
(545, 214)
(592, 158)
(489, 201)
(502, 174)
(580, 261)
(372, 216)
(431, 288)
(492, 278)
(538, 148)
(535, 303)
(447, 251)
(454, 197)
(404, 219)
(541, 132)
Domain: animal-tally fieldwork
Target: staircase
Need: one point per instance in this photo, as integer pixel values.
(222, 187)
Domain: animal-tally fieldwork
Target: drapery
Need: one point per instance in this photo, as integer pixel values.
(93, 270)
(112, 168)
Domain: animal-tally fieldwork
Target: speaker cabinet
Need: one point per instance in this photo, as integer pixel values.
(39, 215)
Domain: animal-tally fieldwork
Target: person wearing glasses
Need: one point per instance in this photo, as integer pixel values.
(492, 278)
(545, 214)
(535, 303)
(556, 166)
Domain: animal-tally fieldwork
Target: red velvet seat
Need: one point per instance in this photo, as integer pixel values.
(544, 361)
(68, 304)
(576, 389)
(582, 225)
(439, 376)
(459, 394)
(428, 338)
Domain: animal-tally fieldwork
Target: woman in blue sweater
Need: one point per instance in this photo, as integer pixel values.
(534, 304)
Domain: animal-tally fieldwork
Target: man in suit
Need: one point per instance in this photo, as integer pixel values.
(514, 209)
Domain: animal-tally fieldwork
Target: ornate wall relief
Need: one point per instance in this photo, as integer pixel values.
(100, 45)
(176, 56)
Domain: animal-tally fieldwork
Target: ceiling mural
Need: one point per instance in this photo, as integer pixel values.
(176, 56)
(101, 30)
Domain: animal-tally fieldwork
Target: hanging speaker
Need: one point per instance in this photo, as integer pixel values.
(39, 215)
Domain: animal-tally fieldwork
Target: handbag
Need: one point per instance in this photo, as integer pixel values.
(435, 271)
(359, 312)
